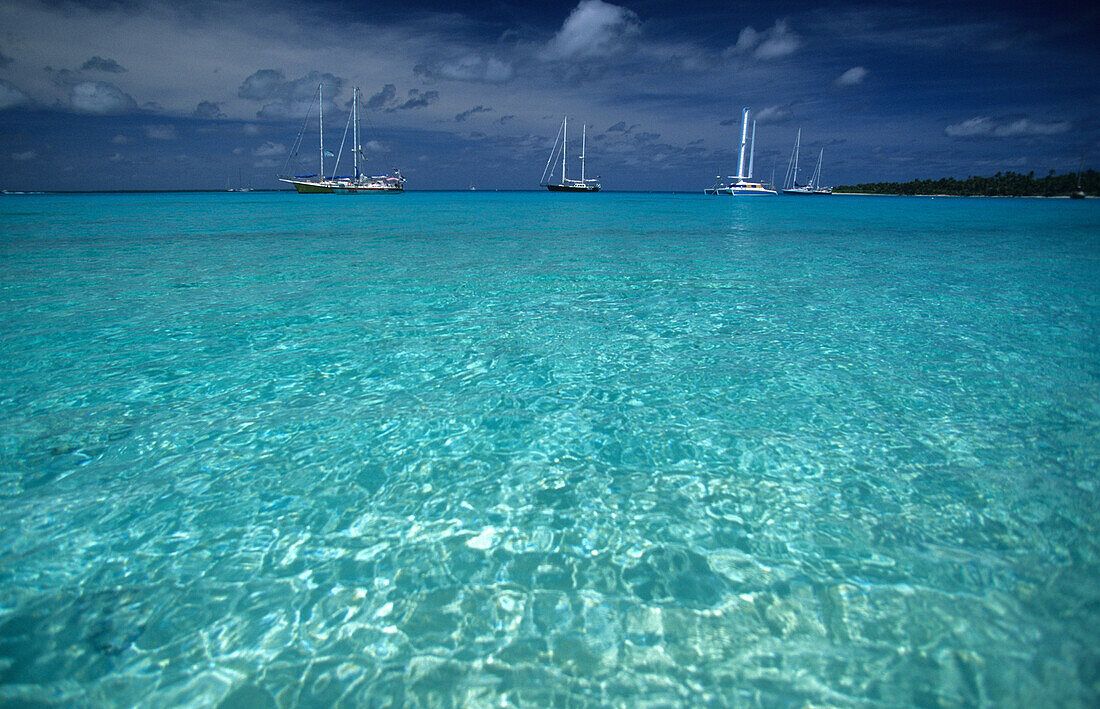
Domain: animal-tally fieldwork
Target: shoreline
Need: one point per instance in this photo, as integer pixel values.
(16, 193)
(961, 196)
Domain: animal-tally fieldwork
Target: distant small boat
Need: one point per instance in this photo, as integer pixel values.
(357, 183)
(1079, 193)
(741, 185)
(564, 184)
(790, 182)
(240, 185)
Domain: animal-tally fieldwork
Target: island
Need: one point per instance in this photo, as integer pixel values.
(1003, 184)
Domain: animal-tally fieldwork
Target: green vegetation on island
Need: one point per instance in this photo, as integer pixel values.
(1003, 184)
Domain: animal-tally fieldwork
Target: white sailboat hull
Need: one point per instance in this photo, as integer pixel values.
(382, 185)
(745, 189)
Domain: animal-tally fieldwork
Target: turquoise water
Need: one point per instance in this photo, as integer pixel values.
(493, 449)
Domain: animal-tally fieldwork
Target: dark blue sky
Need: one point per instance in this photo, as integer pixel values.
(159, 95)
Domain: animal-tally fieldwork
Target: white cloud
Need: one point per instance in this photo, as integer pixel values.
(471, 67)
(853, 76)
(772, 114)
(10, 97)
(161, 132)
(982, 126)
(24, 156)
(1025, 127)
(284, 98)
(100, 97)
(746, 41)
(594, 28)
(120, 140)
(970, 127)
(778, 41)
(269, 149)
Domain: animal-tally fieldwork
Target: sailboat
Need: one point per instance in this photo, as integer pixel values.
(240, 184)
(742, 187)
(790, 182)
(565, 184)
(1079, 193)
(356, 183)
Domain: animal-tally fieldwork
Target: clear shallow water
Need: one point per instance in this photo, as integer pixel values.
(478, 449)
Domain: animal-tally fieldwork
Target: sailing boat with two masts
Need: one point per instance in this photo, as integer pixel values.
(240, 184)
(790, 182)
(565, 184)
(1079, 193)
(356, 183)
(742, 187)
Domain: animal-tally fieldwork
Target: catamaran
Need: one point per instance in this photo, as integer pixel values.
(742, 187)
(565, 184)
(790, 182)
(356, 183)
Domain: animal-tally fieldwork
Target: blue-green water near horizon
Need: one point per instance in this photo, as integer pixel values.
(521, 449)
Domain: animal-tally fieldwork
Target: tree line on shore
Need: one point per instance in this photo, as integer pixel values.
(1003, 184)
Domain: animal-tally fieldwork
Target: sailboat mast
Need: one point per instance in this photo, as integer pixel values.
(355, 129)
(564, 149)
(797, 143)
(321, 123)
(752, 150)
(744, 136)
(584, 137)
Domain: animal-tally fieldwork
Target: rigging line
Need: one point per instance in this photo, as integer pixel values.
(553, 154)
(382, 146)
(340, 153)
(301, 132)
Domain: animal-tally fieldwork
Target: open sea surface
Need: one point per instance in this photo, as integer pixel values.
(520, 449)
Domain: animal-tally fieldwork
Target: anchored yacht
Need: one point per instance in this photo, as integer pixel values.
(742, 185)
(565, 184)
(356, 183)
